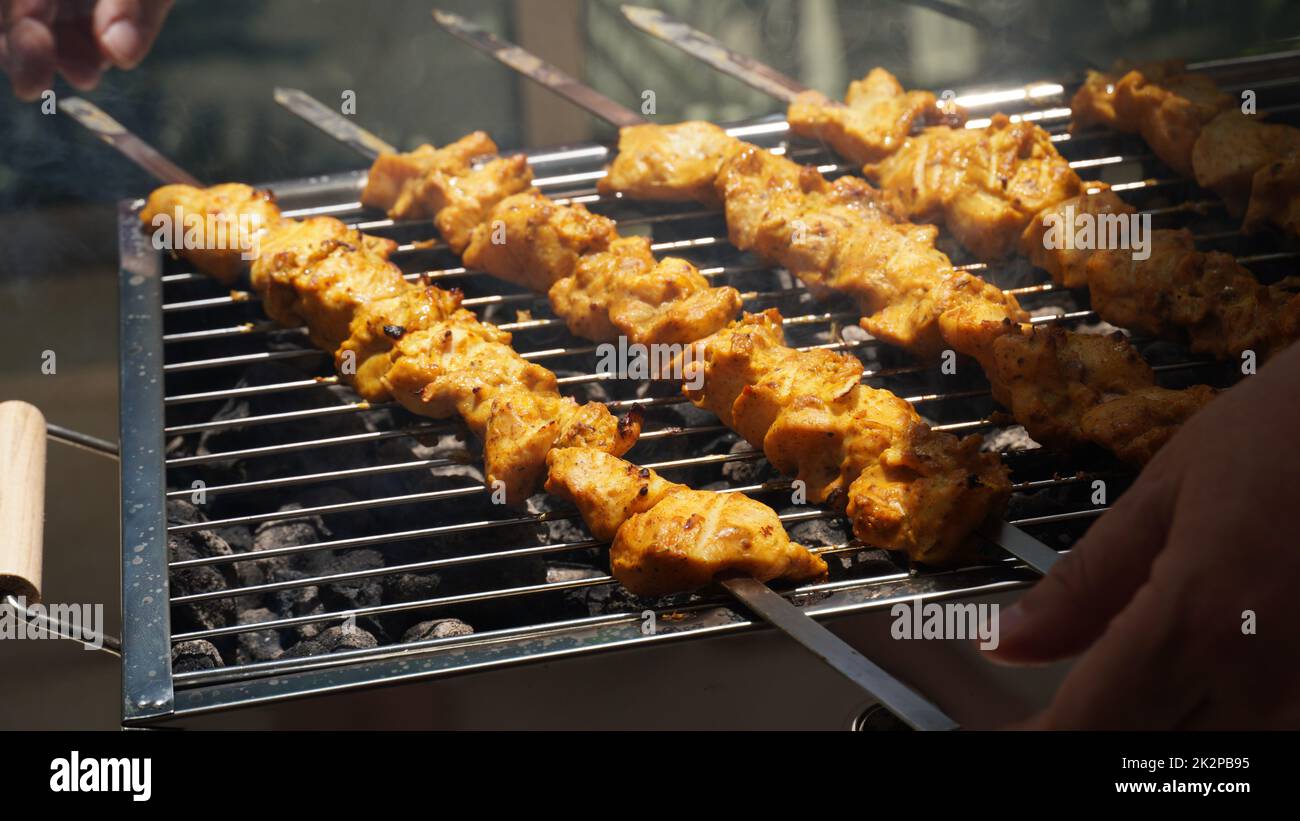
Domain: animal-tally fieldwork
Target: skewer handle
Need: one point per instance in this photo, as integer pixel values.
(333, 123)
(97, 121)
(22, 499)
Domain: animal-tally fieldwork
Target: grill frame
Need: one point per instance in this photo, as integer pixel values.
(153, 693)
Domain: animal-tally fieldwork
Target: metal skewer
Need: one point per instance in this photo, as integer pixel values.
(904, 702)
(893, 694)
(1023, 546)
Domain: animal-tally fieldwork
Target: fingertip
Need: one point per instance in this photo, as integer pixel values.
(122, 43)
(30, 46)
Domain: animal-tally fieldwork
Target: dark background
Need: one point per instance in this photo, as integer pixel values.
(203, 97)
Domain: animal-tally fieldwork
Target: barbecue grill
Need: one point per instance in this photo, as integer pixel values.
(299, 515)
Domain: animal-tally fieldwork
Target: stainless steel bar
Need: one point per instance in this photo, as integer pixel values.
(902, 701)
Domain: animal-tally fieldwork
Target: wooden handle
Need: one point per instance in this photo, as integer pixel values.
(22, 499)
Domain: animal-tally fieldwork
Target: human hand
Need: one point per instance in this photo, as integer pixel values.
(1155, 596)
(79, 39)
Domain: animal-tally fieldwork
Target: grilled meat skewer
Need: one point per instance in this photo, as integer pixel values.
(396, 339)
(904, 486)
(910, 515)
(603, 286)
(848, 237)
(998, 187)
(1200, 132)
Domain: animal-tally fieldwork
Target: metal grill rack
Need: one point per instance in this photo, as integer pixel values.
(214, 392)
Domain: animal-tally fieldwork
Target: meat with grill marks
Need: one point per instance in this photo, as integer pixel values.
(668, 538)
(462, 367)
(675, 163)
(984, 184)
(625, 291)
(1206, 300)
(601, 284)
(1167, 105)
(846, 237)
(222, 224)
(903, 485)
(1275, 196)
(874, 120)
(530, 241)
(416, 345)
(1200, 132)
(1069, 389)
(1231, 152)
(455, 185)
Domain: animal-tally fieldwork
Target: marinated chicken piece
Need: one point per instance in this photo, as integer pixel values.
(363, 359)
(219, 226)
(1136, 425)
(1049, 378)
(668, 538)
(669, 162)
(533, 242)
(318, 272)
(1068, 265)
(1275, 196)
(843, 237)
(847, 237)
(463, 367)
(904, 486)
(872, 123)
(444, 185)
(986, 185)
(625, 291)
(1094, 102)
(398, 182)
(1068, 389)
(1233, 147)
(441, 361)
(1207, 300)
(1162, 101)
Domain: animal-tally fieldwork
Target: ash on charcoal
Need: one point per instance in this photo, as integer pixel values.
(818, 532)
(401, 587)
(239, 537)
(296, 601)
(869, 561)
(560, 530)
(338, 638)
(306, 647)
(1007, 439)
(203, 615)
(313, 460)
(608, 598)
(192, 656)
(349, 595)
(745, 471)
(180, 512)
(278, 533)
(261, 645)
(568, 572)
(437, 629)
(345, 523)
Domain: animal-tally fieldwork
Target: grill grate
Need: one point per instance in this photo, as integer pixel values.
(214, 393)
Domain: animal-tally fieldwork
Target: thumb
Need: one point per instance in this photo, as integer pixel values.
(1072, 605)
(126, 29)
